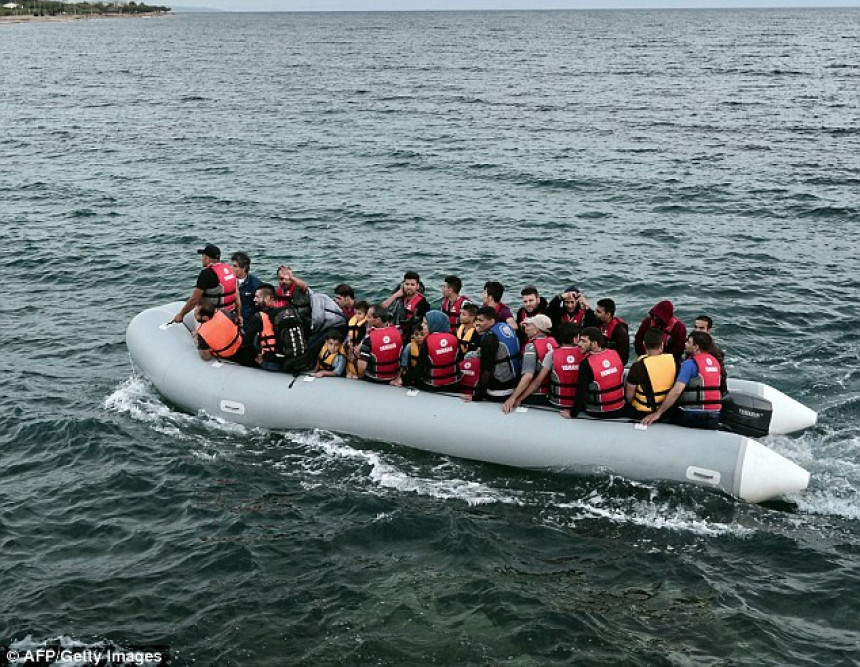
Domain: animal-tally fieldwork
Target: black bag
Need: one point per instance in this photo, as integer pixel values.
(290, 339)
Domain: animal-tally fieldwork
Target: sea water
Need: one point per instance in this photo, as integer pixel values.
(708, 157)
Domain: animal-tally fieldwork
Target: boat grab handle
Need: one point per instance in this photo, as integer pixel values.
(703, 475)
(233, 407)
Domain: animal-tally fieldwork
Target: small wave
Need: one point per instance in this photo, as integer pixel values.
(64, 651)
(834, 488)
(387, 475)
(137, 398)
(651, 514)
(825, 503)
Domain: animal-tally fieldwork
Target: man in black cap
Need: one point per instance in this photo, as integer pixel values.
(216, 284)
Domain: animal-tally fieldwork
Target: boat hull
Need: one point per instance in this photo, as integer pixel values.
(531, 438)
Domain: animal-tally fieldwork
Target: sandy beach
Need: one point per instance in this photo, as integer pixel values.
(29, 18)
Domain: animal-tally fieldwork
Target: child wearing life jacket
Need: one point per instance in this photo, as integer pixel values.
(356, 331)
(409, 355)
(467, 338)
(332, 358)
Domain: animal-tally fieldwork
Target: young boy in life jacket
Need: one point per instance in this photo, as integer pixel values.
(467, 337)
(356, 333)
(410, 353)
(332, 358)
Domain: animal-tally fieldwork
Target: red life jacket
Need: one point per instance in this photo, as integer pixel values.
(221, 335)
(576, 318)
(452, 310)
(385, 348)
(609, 329)
(470, 373)
(267, 335)
(223, 296)
(606, 392)
(442, 355)
(284, 297)
(542, 346)
(564, 375)
(703, 391)
(410, 306)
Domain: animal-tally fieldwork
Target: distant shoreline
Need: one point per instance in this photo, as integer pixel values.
(29, 18)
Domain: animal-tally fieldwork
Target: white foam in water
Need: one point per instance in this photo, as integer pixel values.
(652, 515)
(137, 398)
(388, 476)
(834, 487)
(64, 651)
(826, 503)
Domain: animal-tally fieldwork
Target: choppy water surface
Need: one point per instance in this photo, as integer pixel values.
(707, 156)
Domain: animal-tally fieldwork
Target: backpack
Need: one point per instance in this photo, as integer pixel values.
(325, 313)
(290, 339)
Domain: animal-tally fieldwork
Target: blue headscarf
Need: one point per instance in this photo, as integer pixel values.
(437, 321)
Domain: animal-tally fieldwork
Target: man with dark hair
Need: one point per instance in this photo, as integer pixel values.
(217, 336)
(492, 297)
(452, 300)
(651, 377)
(260, 330)
(703, 323)
(706, 324)
(600, 386)
(344, 296)
(662, 316)
(697, 389)
(533, 304)
(216, 284)
(614, 328)
(500, 358)
(407, 304)
(291, 290)
(247, 284)
(378, 359)
(571, 306)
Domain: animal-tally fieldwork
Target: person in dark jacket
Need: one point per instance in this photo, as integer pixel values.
(614, 328)
(662, 316)
(247, 284)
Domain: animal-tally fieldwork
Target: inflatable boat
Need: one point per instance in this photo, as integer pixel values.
(532, 438)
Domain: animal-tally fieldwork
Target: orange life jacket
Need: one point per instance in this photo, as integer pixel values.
(221, 335)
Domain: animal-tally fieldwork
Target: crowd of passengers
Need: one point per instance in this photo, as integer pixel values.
(559, 353)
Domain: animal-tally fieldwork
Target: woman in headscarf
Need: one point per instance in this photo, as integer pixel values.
(436, 364)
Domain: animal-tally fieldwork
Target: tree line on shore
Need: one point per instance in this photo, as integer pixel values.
(47, 8)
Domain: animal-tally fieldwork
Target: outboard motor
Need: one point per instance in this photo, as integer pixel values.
(746, 414)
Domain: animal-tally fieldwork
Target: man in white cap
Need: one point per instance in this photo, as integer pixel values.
(537, 328)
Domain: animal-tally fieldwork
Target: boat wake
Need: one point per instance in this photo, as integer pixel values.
(830, 456)
(321, 458)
